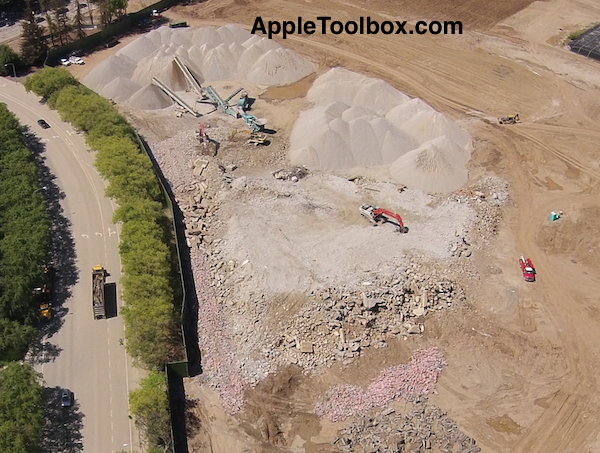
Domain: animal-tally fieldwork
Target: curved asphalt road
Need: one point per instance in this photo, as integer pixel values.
(92, 363)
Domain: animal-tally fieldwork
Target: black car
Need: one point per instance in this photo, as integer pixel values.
(66, 398)
(43, 124)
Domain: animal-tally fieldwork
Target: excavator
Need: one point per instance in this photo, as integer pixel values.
(255, 138)
(376, 214)
(511, 119)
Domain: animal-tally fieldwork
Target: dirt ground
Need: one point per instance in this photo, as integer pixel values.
(521, 373)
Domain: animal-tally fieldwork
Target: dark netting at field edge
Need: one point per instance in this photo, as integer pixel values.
(588, 44)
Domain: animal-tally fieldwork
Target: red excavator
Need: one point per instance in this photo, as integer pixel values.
(376, 214)
(201, 135)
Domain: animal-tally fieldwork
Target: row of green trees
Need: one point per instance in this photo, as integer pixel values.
(24, 239)
(24, 245)
(149, 314)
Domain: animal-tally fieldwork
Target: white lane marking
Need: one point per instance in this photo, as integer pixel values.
(111, 232)
(83, 235)
(56, 136)
(98, 234)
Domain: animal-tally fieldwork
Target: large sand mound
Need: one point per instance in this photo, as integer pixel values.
(359, 122)
(211, 54)
(436, 166)
(150, 98)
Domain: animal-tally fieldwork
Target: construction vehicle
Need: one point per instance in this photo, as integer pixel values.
(527, 269)
(511, 119)
(201, 135)
(98, 280)
(376, 214)
(43, 294)
(255, 138)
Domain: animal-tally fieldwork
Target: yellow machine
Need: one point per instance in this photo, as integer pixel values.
(511, 119)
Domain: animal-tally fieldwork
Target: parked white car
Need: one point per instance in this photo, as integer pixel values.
(65, 62)
(76, 60)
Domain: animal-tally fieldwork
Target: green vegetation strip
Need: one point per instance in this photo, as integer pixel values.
(151, 321)
(24, 245)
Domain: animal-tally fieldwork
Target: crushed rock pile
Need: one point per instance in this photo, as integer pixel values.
(358, 121)
(211, 54)
(424, 428)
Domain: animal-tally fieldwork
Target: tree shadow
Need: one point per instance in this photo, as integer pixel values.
(62, 430)
(193, 423)
(110, 300)
(62, 254)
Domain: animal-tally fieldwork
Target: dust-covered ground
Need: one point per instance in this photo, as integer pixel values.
(298, 287)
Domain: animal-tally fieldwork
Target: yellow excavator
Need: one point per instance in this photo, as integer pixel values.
(511, 119)
(255, 139)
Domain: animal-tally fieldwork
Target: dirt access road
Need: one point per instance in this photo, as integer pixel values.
(522, 357)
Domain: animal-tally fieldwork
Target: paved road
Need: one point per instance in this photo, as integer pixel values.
(92, 362)
(9, 32)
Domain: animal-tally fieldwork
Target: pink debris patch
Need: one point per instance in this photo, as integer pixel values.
(399, 382)
(220, 365)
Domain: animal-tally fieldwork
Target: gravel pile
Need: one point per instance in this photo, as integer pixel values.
(399, 382)
(359, 122)
(424, 428)
(211, 54)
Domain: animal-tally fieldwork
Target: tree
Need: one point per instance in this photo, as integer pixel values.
(7, 56)
(14, 340)
(49, 81)
(61, 20)
(150, 409)
(118, 8)
(33, 44)
(78, 21)
(21, 409)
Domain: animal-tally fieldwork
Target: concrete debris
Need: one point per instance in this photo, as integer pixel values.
(425, 427)
(407, 382)
(294, 174)
(337, 323)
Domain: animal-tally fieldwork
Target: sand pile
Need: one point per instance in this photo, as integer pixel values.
(360, 122)
(435, 166)
(211, 54)
(150, 98)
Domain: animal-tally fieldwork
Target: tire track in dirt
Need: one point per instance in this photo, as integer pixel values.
(566, 424)
(559, 154)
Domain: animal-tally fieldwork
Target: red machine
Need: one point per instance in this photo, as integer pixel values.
(376, 214)
(527, 269)
(201, 135)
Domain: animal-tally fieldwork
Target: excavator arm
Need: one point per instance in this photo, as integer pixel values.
(378, 213)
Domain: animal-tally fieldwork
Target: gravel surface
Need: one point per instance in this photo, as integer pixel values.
(402, 381)
(219, 360)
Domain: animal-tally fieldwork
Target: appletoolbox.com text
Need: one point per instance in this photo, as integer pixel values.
(365, 26)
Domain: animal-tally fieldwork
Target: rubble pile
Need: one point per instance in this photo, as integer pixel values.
(339, 324)
(486, 197)
(293, 174)
(219, 361)
(424, 428)
(406, 382)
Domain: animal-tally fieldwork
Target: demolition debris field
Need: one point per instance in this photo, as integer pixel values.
(322, 333)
